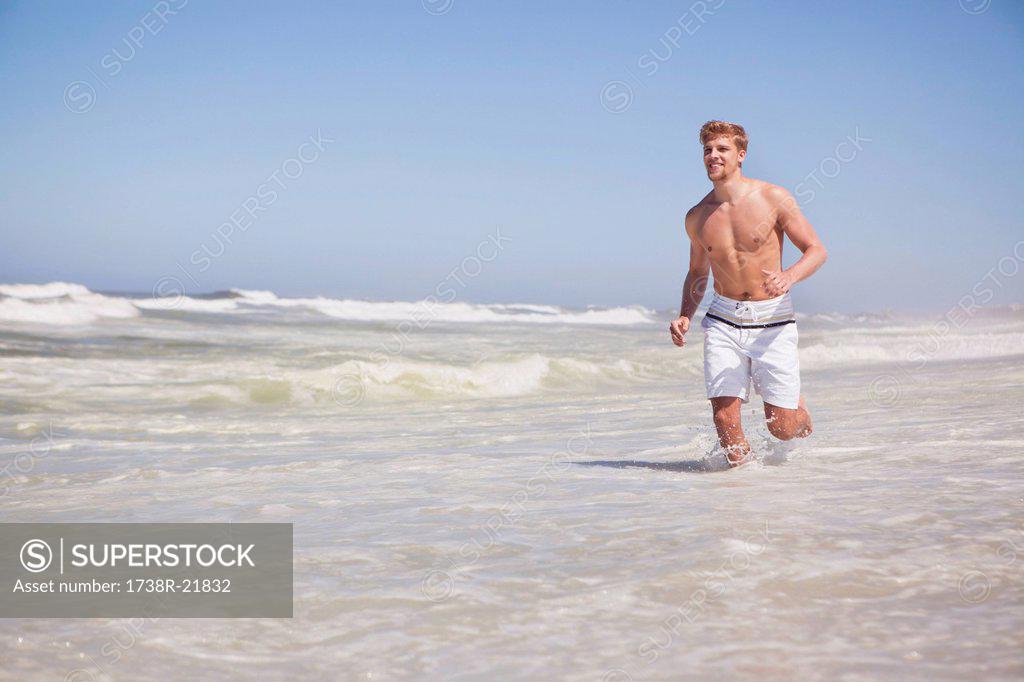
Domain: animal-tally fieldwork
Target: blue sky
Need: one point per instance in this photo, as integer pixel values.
(131, 135)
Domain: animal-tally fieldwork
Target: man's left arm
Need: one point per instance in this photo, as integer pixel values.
(792, 221)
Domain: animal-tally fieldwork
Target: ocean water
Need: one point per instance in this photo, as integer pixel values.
(525, 492)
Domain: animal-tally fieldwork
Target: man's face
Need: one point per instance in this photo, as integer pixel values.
(722, 158)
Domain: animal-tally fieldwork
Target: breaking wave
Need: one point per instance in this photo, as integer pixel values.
(61, 303)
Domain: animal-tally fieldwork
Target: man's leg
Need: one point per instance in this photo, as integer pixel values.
(776, 374)
(726, 412)
(785, 423)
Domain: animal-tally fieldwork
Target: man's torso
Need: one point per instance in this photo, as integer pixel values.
(740, 238)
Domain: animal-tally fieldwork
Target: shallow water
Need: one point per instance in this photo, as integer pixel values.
(524, 492)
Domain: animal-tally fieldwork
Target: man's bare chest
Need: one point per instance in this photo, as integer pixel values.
(743, 228)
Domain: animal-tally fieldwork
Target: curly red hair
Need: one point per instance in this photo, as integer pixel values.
(713, 129)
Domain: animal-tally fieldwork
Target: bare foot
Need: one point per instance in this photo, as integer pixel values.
(736, 455)
(809, 428)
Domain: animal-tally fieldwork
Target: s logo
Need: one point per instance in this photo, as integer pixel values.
(36, 556)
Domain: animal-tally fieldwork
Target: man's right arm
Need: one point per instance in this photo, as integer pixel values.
(695, 283)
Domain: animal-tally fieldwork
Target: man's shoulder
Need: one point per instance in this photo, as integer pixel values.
(773, 194)
(696, 215)
(700, 207)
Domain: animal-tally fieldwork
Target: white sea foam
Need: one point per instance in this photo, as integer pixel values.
(428, 311)
(404, 378)
(187, 304)
(78, 305)
(50, 290)
(256, 296)
(912, 349)
(59, 303)
(400, 378)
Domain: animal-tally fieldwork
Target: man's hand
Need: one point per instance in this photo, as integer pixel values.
(678, 328)
(776, 282)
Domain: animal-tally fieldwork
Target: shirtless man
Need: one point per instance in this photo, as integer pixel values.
(750, 335)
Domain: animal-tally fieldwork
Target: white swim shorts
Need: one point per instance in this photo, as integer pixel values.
(752, 344)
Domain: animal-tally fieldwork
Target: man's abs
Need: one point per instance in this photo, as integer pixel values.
(739, 274)
(741, 241)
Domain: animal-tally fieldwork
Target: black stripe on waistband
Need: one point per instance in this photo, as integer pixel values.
(749, 326)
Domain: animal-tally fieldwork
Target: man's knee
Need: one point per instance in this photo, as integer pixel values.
(726, 419)
(781, 428)
(787, 425)
(726, 413)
